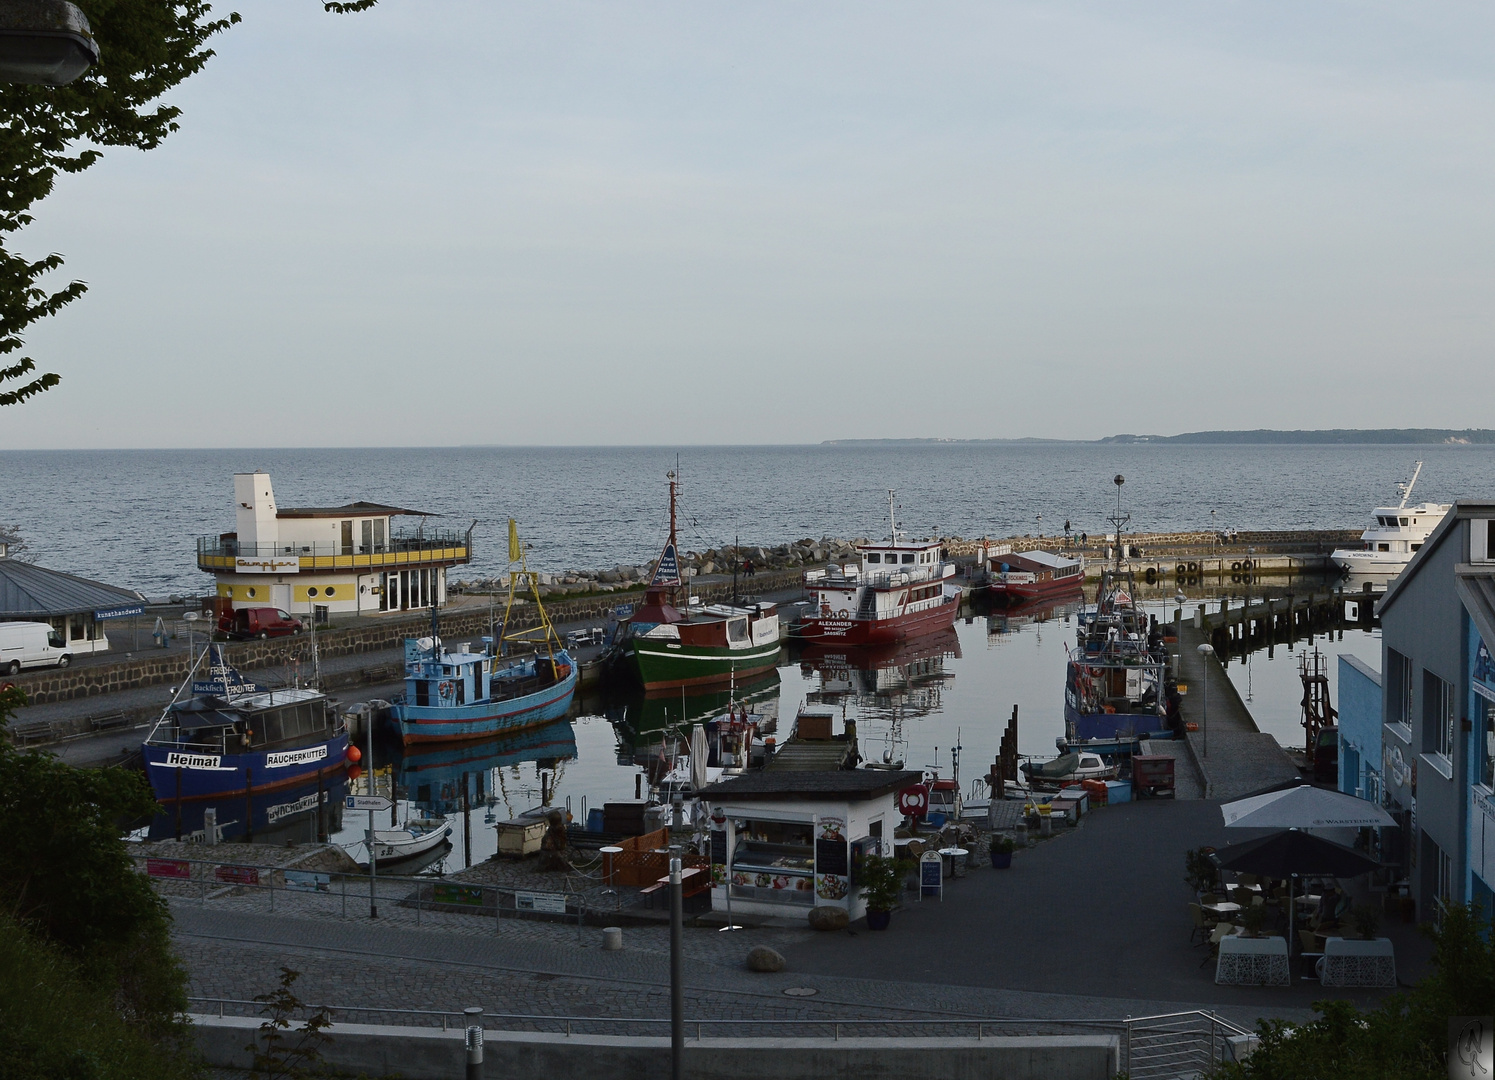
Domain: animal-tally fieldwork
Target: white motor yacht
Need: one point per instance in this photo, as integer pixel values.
(1391, 542)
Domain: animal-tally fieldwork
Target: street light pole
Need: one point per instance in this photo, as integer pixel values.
(677, 987)
(1206, 650)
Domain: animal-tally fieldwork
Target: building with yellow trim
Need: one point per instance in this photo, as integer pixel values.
(343, 558)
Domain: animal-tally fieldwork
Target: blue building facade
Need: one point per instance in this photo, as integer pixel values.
(1360, 766)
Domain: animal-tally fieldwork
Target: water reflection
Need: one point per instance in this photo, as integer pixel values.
(285, 815)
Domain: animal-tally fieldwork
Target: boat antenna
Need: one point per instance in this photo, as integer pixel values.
(1119, 519)
(892, 517)
(1406, 489)
(736, 559)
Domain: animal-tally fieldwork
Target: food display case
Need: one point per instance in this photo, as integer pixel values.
(774, 860)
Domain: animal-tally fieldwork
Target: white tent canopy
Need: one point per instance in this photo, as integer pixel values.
(1303, 807)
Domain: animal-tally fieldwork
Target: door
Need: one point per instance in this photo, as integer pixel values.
(347, 537)
(280, 597)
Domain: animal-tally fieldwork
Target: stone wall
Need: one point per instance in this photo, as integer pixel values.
(373, 636)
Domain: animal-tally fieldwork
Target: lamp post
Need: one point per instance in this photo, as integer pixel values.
(1206, 650)
(677, 979)
(45, 43)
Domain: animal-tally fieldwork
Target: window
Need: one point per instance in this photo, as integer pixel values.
(1398, 687)
(1402, 521)
(1416, 547)
(909, 557)
(378, 534)
(330, 590)
(347, 538)
(366, 529)
(874, 557)
(1383, 547)
(1437, 715)
(1487, 750)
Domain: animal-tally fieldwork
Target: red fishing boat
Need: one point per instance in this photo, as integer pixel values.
(900, 589)
(1017, 577)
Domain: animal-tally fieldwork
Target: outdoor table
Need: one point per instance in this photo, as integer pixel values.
(955, 861)
(609, 868)
(1248, 961)
(1351, 962)
(1225, 908)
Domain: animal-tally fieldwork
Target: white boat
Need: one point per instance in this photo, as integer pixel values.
(417, 837)
(1391, 542)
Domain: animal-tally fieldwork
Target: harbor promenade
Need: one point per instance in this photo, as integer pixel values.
(1234, 757)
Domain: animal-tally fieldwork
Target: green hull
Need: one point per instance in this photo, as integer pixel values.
(664, 665)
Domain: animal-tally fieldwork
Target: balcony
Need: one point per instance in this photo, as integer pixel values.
(431, 547)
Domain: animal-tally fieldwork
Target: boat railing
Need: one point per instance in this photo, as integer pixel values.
(1150, 1046)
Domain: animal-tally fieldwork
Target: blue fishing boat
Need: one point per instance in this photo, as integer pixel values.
(229, 736)
(474, 695)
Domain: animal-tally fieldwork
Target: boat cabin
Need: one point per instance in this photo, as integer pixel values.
(259, 721)
(465, 677)
(1037, 566)
(719, 626)
(1402, 529)
(784, 842)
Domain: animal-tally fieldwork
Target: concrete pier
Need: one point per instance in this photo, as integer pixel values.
(1234, 756)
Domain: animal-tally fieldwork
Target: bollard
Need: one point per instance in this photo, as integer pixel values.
(474, 1018)
(210, 825)
(1046, 825)
(1021, 833)
(612, 938)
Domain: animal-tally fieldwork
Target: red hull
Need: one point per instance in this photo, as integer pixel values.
(853, 631)
(1012, 592)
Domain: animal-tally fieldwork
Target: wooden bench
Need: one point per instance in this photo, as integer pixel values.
(108, 721)
(35, 731)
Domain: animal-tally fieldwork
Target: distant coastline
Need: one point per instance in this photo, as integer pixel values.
(1259, 436)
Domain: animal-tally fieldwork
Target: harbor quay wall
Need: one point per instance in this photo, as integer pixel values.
(435, 1054)
(373, 635)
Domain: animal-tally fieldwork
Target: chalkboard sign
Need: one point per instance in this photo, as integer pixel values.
(830, 857)
(719, 847)
(931, 875)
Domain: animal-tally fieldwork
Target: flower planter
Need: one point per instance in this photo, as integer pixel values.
(1000, 860)
(879, 920)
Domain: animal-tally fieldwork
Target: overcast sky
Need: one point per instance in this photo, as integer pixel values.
(443, 223)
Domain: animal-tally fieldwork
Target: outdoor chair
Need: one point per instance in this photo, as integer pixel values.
(1202, 925)
(1209, 898)
(1249, 879)
(1221, 932)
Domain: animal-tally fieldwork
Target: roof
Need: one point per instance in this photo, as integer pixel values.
(1462, 510)
(845, 785)
(353, 509)
(1040, 558)
(29, 591)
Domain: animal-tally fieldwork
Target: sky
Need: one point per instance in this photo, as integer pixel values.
(450, 223)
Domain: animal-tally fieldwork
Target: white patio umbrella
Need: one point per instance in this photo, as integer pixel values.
(1303, 807)
(698, 756)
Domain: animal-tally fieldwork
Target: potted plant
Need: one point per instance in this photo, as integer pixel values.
(881, 886)
(1366, 922)
(1199, 870)
(1253, 919)
(1002, 848)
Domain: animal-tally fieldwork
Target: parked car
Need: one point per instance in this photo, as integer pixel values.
(258, 622)
(29, 645)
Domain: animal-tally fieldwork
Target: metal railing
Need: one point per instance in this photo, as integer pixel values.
(205, 880)
(217, 546)
(1165, 1045)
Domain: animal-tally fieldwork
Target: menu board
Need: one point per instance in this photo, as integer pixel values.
(831, 857)
(719, 846)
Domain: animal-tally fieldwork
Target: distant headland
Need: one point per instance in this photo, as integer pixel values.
(1264, 436)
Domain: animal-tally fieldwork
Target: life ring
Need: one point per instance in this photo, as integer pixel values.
(1180, 570)
(1236, 566)
(1246, 565)
(843, 613)
(1193, 568)
(444, 689)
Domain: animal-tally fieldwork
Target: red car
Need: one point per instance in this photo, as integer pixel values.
(258, 622)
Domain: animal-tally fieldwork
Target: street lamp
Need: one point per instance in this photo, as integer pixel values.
(1206, 650)
(44, 42)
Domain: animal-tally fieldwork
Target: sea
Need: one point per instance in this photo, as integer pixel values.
(130, 518)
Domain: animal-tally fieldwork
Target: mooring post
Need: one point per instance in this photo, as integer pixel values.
(474, 1017)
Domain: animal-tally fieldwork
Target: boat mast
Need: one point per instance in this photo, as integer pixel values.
(892, 518)
(1406, 489)
(543, 629)
(1118, 520)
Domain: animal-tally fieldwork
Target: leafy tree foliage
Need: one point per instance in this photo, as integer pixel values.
(1405, 1038)
(66, 876)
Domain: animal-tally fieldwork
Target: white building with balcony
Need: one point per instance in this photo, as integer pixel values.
(348, 559)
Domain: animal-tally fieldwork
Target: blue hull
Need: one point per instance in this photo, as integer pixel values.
(288, 812)
(449, 723)
(192, 773)
(1114, 726)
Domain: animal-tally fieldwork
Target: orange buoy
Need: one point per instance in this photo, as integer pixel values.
(354, 754)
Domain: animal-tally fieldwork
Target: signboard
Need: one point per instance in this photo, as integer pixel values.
(170, 868)
(272, 564)
(284, 810)
(296, 757)
(554, 903)
(238, 875)
(719, 846)
(913, 801)
(831, 857)
(308, 881)
(931, 875)
(175, 759)
(667, 572)
(623, 611)
(466, 895)
(119, 612)
(223, 678)
(366, 802)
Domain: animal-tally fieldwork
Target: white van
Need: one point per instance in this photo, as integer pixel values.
(30, 644)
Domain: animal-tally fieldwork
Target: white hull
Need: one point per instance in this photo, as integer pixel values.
(391, 844)
(1376, 565)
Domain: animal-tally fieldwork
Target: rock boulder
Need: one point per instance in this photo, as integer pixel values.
(764, 959)
(828, 918)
